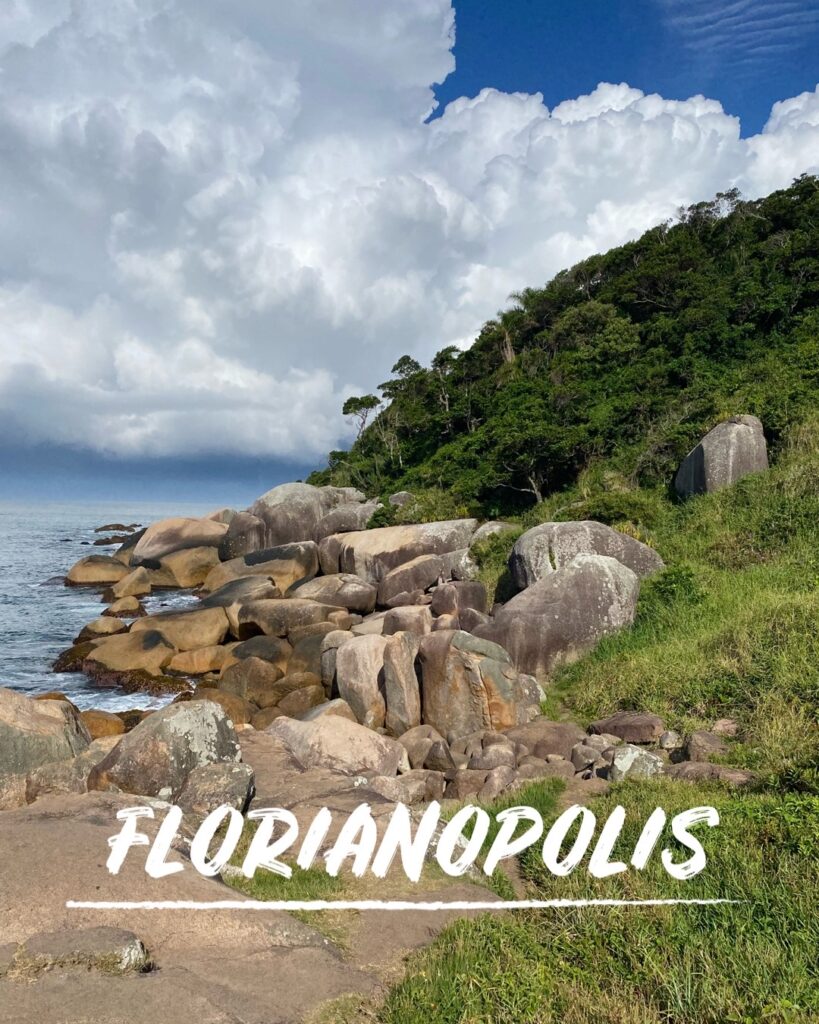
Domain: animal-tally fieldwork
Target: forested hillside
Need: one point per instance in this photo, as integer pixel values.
(623, 361)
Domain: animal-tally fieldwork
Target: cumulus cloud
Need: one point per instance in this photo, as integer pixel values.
(218, 221)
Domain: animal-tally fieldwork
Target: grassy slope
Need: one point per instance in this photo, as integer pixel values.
(730, 629)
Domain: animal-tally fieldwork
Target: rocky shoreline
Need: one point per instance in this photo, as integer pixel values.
(321, 663)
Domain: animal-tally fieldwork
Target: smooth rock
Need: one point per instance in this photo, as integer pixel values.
(156, 757)
(34, 733)
(401, 690)
(732, 450)
(631, 726)
(544, 549)
(176, 534)
(371, 554)
(334, 742)
(565, 614)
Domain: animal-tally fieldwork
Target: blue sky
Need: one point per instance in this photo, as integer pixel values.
(747, 54)
(218, 221)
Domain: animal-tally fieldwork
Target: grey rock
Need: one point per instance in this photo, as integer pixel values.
(543, 549)
(629, 762)
(732, 450)
(631, 726)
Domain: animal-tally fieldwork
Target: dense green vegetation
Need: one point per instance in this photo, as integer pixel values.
(622, 361)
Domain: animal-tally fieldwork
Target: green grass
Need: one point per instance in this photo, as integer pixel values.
(754, 961)
(730, 629)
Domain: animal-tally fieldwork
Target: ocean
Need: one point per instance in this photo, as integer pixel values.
(39, 618)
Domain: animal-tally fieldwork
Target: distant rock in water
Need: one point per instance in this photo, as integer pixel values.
(732, 450)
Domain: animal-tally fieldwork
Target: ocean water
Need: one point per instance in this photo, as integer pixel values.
(38, 618)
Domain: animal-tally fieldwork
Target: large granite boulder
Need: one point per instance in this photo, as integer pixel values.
(277, 617)
(467, 684)
(188, 630)
(141, 651)
(402, 694)
(565, 614)
(156, 757)
(418, 574)
(373, 553)
(360, 678)
(551, 546)
(34, 733)
(732, 450)
(190, 567)
(286, 514)
(454, 598)
(342, 589)
(345, 519)
(336, 743)
(285, 565)
(232, 596)
(96, 571)
(169, 535)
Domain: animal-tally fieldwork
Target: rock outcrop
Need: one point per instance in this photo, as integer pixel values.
(732, 450)
(563, 615)
(156, 757)
(552, 546)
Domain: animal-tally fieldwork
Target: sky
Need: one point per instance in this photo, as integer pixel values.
(218, 221)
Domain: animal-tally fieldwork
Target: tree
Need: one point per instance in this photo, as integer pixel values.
(359, 408)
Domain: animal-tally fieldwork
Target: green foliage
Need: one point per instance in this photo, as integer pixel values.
(623, 360)
(750, 961)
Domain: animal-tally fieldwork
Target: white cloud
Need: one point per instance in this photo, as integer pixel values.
(219, 220)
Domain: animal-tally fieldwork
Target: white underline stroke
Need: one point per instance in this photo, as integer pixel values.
(309, 905)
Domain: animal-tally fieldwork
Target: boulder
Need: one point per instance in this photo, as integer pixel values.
(565, 614)
(297, 702)
(408, 619)
(551, 546)
(345, 519)
(169, 535)
(360, 678)
(222, 515)
(418, 742)
(277, 617)
(215, 785)
(233, 595)
(266, 717)
(156, 757)
(336, 743)
(187, 631)
(103, 626)
(342, 589)
(373, 553)
(455, 598)
(285, 565)
(732, 450)
(102, 723)
(370, 625)
(144, 651)
(69, 776)
(95, 571)
(125, 608)
(418, 574)
(631, 726)
(253, 679)
(632, 762)
(467, 684)
(287, 513)
(460, 565)
(337, 708)
(34, 733)
(136, 583)
(401, 692)
(269, 648)
(190, 567)
(245, 533)
(113, 951)
(401, 498)
(702, 746)
(329, 553)
(545, 738)
(239, 710)
(200, 661)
